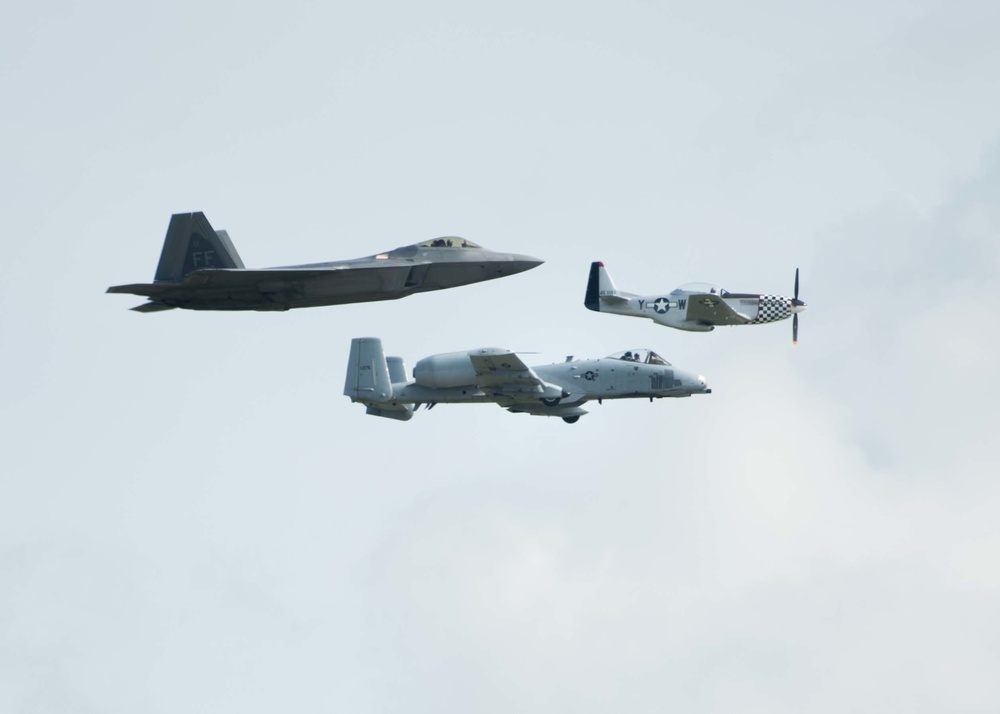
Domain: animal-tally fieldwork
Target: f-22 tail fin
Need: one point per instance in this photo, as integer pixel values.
(192, 244)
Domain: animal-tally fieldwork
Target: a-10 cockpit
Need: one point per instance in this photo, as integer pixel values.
(642, 356)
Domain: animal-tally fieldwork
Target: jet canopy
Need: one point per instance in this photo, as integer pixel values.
(448, 242)
(700, 288)
(642, 356)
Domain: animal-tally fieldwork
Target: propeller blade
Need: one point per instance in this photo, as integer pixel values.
(796, 283)
(795, 329)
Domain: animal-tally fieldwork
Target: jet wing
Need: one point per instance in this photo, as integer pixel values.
(710, 309)
(497, 371)
(503, 376)
(250, 285)
(353, 276)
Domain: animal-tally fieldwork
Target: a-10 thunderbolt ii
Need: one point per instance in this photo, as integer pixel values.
(696, 307)
(199, 269)
(499, 376)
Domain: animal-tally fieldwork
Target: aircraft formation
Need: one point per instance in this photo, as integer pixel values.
(199, 269)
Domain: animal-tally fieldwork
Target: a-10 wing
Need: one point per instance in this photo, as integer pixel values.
(709, 309)
(503, 375)
(497, 369)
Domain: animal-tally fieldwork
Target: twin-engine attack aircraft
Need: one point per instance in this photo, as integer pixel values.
(697, 307)
(200, 269)
(499, 376)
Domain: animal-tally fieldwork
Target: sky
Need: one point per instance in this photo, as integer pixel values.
(193, 516)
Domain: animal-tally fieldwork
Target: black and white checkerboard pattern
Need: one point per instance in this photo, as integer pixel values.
(772, 308)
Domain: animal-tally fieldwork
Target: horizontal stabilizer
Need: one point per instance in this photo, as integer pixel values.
(144, 289)
(613, 299)
(152, 307)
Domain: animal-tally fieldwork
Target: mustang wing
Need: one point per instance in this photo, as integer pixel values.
(712, 310)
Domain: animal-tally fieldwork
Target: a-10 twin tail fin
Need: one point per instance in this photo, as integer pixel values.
(370, 376)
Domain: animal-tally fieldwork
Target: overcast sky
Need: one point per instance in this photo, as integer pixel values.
(194, 518)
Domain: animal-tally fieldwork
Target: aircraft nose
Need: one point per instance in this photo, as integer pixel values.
(692, 383)
(798, 305)
(519, 263)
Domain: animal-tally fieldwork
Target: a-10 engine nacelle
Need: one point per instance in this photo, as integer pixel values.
(452, 369)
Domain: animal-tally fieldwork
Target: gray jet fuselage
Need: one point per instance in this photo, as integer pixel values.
(200, 269)
(387, 276)
(493, 375)
(582, 380)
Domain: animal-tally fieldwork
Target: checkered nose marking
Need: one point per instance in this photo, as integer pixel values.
(773, 307)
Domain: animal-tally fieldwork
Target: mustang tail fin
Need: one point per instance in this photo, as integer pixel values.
(192, 244)
(601, 288)
(370, 376)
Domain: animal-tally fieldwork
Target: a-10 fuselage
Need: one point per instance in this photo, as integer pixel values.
(499, 376)
(574, 381)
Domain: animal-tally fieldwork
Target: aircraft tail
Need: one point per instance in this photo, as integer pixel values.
(600, 286)
(192, 244)
(370, 376)
(397, 370)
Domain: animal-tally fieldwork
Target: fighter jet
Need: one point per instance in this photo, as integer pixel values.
(200, 269)
(695, 307)
(499, 376)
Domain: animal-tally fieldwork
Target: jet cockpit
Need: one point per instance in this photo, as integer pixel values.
(641, 356)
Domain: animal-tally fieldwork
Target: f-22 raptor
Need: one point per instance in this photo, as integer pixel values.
(199, 269)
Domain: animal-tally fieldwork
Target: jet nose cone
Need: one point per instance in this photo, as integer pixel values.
(520, 263)
(691, 383)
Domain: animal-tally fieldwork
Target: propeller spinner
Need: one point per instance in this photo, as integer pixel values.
(797, 307)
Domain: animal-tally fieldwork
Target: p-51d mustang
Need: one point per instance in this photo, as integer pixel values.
(499, 376)
(199, 269)
(697, 307)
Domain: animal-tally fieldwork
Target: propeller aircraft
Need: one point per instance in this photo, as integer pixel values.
(498, 376)
(695, 307)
